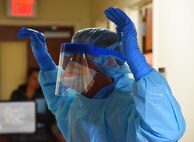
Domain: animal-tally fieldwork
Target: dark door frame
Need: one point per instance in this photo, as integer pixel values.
(9, 33)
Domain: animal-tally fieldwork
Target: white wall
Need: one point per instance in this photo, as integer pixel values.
(174, 49)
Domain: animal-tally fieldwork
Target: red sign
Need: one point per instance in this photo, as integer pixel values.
(22, 7)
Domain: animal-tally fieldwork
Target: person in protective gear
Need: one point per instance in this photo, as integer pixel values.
(121, 108)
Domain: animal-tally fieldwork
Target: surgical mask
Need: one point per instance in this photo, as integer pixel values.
(79, 83)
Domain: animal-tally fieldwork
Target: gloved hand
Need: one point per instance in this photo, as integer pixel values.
(39, 48)
(128, 36)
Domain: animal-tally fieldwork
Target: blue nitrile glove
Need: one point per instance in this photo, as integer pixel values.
(39, 48)
(127, 34)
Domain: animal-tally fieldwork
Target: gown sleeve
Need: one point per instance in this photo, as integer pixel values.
(59, 105)
(160, 115)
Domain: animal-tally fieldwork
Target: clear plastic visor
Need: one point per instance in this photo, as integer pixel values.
(77, 70)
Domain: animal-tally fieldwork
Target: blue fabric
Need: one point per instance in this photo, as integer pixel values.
(39, 48)
(142, 111)
(104, 92)
(128, 37)
(114, 72)
(91, 50)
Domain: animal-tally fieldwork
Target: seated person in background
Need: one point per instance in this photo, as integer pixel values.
(31, 91)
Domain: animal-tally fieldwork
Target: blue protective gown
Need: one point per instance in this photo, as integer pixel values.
(142, 111)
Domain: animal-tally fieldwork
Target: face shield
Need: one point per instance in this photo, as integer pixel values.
(79, 64)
